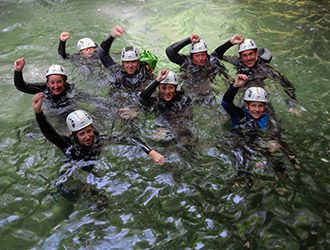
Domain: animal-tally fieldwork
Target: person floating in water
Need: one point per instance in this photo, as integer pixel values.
(198, 68)
(83, 144)
(59, 93)
(89, 53)
(171, 104)
(255, 64)
(257, 136)
(132, 73)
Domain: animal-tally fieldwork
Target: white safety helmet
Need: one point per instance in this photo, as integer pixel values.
(247, 45)
(170, 79)
(56, 69)
(84, 43)
(256, 94)
(198, 47)
(130, 53)
(78, 120)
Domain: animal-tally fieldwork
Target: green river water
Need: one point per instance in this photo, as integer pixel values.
(194, 200)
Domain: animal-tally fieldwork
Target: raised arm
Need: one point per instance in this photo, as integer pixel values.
(150, 89)
(46, 128)
(64, 36)
(221, 50)
(172, 51)
(19, 82)
(104, 49)
(236, 113)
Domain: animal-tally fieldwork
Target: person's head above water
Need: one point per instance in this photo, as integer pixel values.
(248, 52)
(256, 99)
(80, 124)
(86, 46)
(198, 50)
(56, 78)
(130, 58)
(168, 84)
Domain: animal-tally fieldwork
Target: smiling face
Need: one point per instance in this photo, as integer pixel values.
(199, 58)
(167, 91)
(256, 109)
(55, 83)
(249, 57)
(130, 67)
(85, 136)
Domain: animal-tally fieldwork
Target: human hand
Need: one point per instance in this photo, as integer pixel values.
(240, 80)
(236, 39)
(157, 157)
(194, 38)
(19, 64)
(117, 31)
(37, 102)
(162, 74)
(64, 36)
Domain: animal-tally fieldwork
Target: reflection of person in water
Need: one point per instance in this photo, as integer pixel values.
(84, 143)
(257, 135)
(171, 104)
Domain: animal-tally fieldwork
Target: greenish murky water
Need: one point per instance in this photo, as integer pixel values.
(194, 201)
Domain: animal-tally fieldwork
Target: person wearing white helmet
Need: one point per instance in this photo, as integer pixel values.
(89, 51)
(132, 72)
(255, 98)
(58, 91)
(257, 141)
(169, 92)
(171, 105)
(84, 142)
(254, 62)
(198, 65)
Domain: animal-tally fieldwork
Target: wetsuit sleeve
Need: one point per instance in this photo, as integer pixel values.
(172, 51)
(50, 133)
(146, 94)
(285, 83)
(61, 50)
(104, 52)
(221, 50)
(131, 141)
(236, 113)
(25, 87)
(106, 44)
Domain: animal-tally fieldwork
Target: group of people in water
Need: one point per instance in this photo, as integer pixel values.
(135, 80)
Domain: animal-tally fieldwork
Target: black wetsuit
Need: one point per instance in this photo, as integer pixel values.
(100, 55)
(62, 100)
(74, 151)
(240, 115)
(190, 71)
(258, 73)
(118, 77)
(176, 106)
(172, 113)
(252, 136)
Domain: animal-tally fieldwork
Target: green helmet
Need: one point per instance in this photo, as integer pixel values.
(149, 58)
